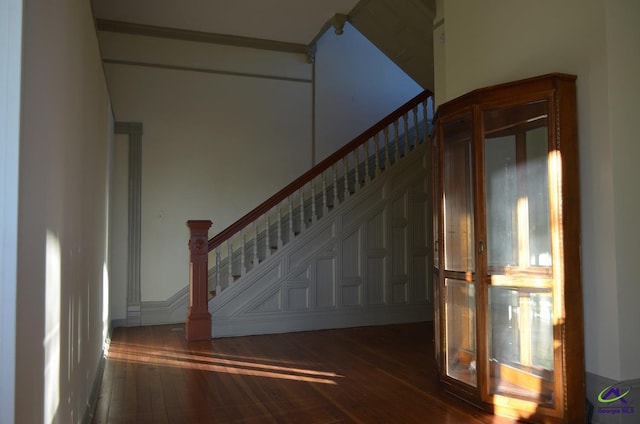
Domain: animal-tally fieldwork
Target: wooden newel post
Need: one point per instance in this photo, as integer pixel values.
(198, 325)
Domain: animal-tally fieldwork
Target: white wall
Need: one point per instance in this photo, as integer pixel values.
(119, 216)
(62, 226)
(216, 142)
(623, 79)
(356, 85)
(597, 41)
(10, 53)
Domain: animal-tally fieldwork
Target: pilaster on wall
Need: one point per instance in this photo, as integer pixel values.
(134, 131)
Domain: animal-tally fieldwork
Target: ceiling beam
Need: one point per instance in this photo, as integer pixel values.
(198, 36)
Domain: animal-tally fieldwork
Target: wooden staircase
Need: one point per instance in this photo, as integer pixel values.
(242, 248)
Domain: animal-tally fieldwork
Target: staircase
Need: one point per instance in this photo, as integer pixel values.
(345, 244)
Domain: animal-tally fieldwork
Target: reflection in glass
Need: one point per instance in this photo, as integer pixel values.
(521, 343)
(537, 191)
(457, 195)
(517, 188)
(461, 330)
(502, 199)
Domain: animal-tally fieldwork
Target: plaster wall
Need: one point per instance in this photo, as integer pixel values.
(356, 85)
(62, 266)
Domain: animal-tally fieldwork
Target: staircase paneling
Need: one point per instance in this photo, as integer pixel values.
(362, 263)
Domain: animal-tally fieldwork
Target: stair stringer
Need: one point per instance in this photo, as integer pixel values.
(364, 263)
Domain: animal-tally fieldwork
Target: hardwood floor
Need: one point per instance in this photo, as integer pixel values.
(357, 375)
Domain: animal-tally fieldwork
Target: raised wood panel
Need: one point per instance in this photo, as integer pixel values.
(309, 247)
(299, 275)
(351, 295)
(399, 209)
(419, 212)
(375, 232)
(273, 303)
(298, 298)
(399, 293)
(367, 199)
(350, 256)
(325, 282)
(399, 249)
(375, 281)
(420, 280)
(420, 242)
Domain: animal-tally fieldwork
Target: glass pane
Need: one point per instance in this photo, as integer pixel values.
(461, 330)
(516, 187)
(457, 195)
(501, 201)
(537, 190)
(521, 343)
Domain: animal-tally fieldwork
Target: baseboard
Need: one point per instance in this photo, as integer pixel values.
(116, 323)
(170, 311)
(321, 320)
(92, 401)
(626, 410)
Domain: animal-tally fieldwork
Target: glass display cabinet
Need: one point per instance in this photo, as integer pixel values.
(509, 323)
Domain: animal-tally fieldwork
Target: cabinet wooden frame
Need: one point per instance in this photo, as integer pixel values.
(550, 102)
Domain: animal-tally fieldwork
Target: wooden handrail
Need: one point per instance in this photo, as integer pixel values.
(308, 176)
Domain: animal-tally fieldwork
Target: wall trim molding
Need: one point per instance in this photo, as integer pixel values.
(134, 131)
(200, 36)
(202, 70)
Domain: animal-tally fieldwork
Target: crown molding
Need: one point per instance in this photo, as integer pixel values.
(202, 70)
(198, 36)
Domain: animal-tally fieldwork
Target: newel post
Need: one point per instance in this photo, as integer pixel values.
(198, 325)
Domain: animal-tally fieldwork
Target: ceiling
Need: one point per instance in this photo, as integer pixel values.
(293, 21)
(401, 29)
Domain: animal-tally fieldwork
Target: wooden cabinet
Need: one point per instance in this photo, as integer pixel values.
(507, 249)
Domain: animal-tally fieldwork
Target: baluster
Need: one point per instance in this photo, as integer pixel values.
(416, 136)
(291, 234)
(267, 242)
(376, 155)
(280, 242)
(218, 271)
(313, 202)
(406, 133)
(243, 241)
(345, 166)
(255, 244)
(325, 207)
(367, 172)
(356, 165)
(335, 185)
(301, 213)
(387, 161)
(396, 134)
(230, 261)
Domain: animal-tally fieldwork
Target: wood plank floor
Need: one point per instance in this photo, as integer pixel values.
(357, 375)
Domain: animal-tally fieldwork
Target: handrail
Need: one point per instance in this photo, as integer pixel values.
(314, 172)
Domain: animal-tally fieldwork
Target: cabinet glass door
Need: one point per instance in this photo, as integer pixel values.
(458, 260)
(519, 257)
